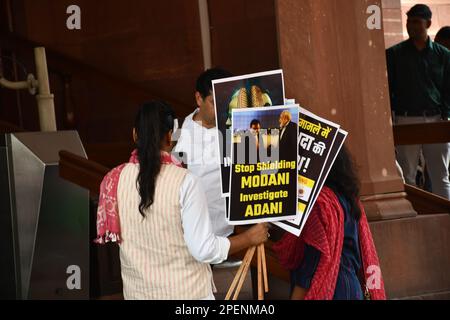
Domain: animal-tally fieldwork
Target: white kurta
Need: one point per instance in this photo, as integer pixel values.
(201, 147)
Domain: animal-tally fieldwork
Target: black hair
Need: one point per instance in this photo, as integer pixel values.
(343, 180)
(420, 10)
(254, 122)
(153, 121)
(204, 81)
(443, 33)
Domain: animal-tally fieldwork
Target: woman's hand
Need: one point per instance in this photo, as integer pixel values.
(299, 293)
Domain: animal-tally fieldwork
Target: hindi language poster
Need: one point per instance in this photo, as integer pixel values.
(296, 226)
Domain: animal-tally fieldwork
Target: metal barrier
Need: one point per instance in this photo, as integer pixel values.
(44, 219)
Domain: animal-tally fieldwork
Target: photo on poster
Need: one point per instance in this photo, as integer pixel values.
(263, 89)
(296, 227)
(263, 176)
(305, 188)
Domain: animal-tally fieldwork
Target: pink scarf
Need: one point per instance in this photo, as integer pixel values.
(108, 222)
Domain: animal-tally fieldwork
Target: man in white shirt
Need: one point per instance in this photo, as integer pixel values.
(199, 145)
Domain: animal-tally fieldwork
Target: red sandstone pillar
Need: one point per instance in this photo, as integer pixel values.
(335, 66)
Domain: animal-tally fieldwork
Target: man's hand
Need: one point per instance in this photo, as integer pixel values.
(252, 237)
(258, 234)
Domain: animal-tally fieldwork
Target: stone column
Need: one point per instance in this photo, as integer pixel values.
(335, 66)
(392, 22)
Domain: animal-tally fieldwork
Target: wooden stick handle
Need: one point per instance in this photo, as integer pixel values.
(237, 276)
(244, 272)
(264, 266)
(260, 280)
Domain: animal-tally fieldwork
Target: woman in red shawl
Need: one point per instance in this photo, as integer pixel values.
(334, 257)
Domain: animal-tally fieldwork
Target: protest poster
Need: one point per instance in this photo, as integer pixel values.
(296, 226)
(262, 89)
(264, 165)
(315, 139)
